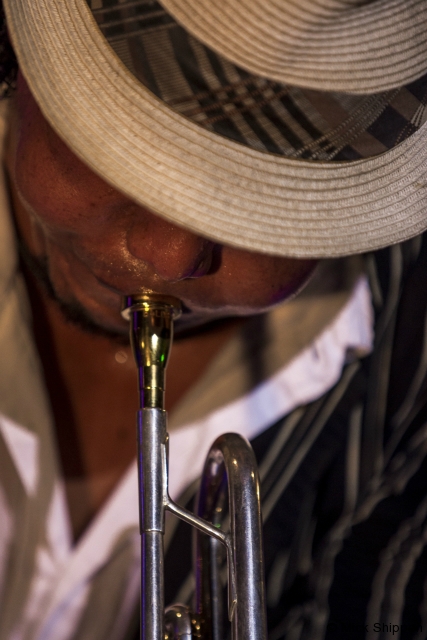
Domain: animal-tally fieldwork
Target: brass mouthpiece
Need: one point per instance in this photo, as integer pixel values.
(152, 317)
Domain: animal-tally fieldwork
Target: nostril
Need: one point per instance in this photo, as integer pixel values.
(185, 261)
(205, 263)
(215, 258)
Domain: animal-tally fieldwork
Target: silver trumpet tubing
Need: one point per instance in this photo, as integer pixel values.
(230, 479)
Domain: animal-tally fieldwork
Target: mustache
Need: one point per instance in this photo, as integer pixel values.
(73, 312)
(187, 326)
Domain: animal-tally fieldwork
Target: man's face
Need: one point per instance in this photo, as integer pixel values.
(98, 245)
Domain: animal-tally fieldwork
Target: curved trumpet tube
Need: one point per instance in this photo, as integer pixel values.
(230, 470)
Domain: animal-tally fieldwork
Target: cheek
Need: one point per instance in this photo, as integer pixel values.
(262, 280)
(289, 278)
(37, 178)
(56, 188)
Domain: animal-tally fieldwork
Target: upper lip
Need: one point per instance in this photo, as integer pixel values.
(185, 309)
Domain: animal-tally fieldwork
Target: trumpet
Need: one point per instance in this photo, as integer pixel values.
(230, 476)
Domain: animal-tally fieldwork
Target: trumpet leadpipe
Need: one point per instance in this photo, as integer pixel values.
(151, 334)
(230, 465)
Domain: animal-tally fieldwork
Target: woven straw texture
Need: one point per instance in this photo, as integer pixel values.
(192, 176)
(351, 45)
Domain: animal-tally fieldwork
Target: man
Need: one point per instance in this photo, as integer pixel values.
(224, 192)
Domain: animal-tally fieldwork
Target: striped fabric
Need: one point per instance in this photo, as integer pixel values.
(344, 484)
(262, 114)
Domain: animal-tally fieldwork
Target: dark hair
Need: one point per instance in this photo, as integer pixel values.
(8, 61)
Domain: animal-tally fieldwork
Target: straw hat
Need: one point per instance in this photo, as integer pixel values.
(292, 127)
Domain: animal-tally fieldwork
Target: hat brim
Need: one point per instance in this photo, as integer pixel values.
(194, 178)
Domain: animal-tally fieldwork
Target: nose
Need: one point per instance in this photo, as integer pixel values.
(173, 253)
